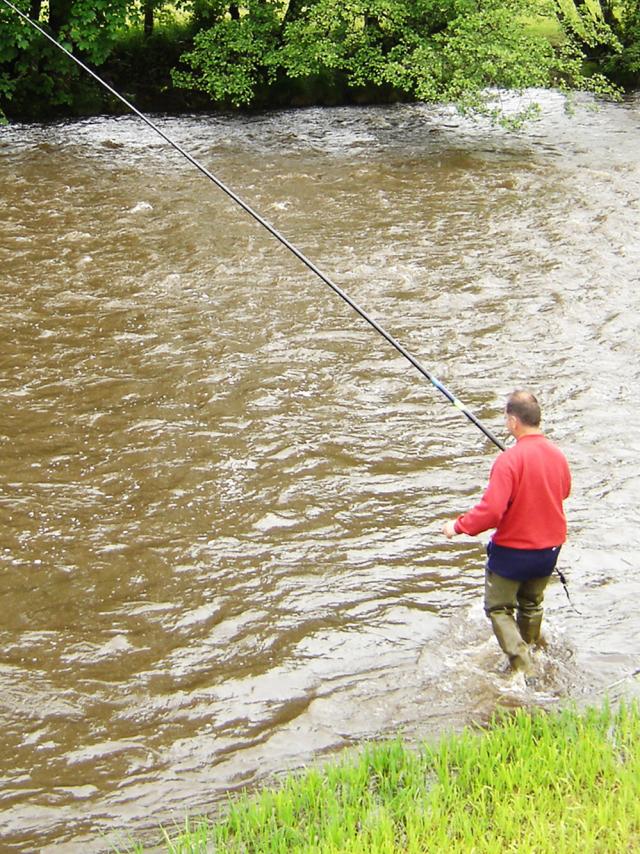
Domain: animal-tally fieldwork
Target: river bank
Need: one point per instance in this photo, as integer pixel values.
(532, 782)
(154, 70)
(140, 68)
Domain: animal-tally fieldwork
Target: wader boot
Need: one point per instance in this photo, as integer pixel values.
(530, 596)
(511, 642)
(503, 597)
(529, 625)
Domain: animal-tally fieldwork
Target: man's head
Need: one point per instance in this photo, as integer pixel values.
(522, 412)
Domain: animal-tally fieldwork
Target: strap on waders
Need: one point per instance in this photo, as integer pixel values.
(566, 590)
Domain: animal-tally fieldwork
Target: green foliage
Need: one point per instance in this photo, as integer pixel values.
(608, 34)
(429, 50)
(587, 21)
(16, 38)
(34, 73)
(483, 49)
(93, 27)
(234, 56)
(624, 66)
(139, 67)
(266, 52)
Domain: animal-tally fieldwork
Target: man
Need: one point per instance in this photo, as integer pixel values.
(524, 503)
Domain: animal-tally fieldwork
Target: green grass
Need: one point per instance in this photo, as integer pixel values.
(545, 27)
(532, 782)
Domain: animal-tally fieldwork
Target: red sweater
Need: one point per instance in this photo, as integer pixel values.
(523, 500)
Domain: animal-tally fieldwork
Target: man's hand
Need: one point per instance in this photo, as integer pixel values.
(449, 530)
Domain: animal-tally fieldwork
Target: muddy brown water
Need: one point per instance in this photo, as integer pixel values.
(221, 493)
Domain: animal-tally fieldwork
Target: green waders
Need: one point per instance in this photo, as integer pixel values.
(503, 596)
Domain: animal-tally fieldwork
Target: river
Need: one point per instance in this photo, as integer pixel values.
(222, 493)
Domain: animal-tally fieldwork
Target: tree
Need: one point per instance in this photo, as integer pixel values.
(151, 10)
(33, 70)
(60, 12)
(236, 55)
(17, 39)
(608, 33)
(430, 50)
(265, 52)
(148, 11)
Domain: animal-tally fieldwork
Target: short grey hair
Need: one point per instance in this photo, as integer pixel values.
(523, 405)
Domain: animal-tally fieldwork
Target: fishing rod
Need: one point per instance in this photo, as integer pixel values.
(273, 231)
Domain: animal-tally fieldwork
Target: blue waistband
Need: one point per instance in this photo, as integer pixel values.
(521, 564)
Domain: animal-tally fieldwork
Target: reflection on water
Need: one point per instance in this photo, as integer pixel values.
(222, 493)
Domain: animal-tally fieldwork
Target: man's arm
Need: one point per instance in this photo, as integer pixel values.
(488, 512)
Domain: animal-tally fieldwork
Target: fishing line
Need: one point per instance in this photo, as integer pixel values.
(274, 232)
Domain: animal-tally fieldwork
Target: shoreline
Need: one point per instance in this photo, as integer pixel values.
(564, 780)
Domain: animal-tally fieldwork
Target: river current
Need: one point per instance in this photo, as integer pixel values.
(222, 493)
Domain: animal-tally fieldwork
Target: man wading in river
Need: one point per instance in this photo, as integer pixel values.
(523, 502)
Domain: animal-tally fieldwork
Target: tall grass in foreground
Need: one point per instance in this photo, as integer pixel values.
(532, 782)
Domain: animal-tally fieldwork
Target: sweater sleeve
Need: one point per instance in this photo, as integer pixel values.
(489, 511)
